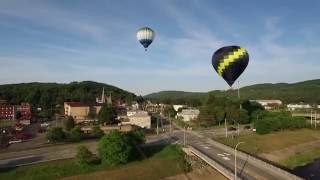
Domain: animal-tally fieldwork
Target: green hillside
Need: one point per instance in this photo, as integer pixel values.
(306, 91)
(51, 94)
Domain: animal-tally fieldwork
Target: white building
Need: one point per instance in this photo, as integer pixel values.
(140, 118)
(188, 114)
(177, 107)
(293, 107)
(268, 104)
(135, 105)
(130, 113)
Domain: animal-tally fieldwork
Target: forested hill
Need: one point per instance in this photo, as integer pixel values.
(51, 94)
(175, 95)
(306, 91)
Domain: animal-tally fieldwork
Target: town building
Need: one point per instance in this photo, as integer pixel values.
(15, 112)
(134, 105)
(79, 111)
(131, 112)
(25, 111)
(177, 107)
(7, 111)
(268, 104)
(140, 118)
(188, 114)
(293, 107)
(104, 99)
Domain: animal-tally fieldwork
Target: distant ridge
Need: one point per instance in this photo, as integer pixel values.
(304, 91)
(46, 94)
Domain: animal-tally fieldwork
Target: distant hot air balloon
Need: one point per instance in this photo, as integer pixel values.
(230, 62)
(145, 36)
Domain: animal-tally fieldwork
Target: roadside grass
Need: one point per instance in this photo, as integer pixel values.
(257, 144)
(6, 123)
(161, 162)
(301, 159)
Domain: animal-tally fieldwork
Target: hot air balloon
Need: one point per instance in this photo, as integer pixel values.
(145, 36)
(230, 62)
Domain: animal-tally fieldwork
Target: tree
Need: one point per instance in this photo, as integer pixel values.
(69, 123)
(106, 115)
(56, 134)
(76, 135)
(84, 156)
(97, 132)
(137, 136)
(114, 148)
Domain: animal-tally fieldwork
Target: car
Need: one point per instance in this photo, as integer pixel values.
(247, 127)
(232, 128)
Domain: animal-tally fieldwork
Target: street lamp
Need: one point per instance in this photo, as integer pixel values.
(235, 160)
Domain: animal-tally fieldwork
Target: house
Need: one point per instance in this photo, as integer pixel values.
(7, 111)
(16, 112)
(135, 105)
(268, 104)
(188, 114)
(292, 107)
(140, 118)
(79, 111)
(177, 107)
(130, 112)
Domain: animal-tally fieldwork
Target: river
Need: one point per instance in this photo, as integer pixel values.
(310, 171)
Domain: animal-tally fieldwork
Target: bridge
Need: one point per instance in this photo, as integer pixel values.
(221, 157)
(307, 115)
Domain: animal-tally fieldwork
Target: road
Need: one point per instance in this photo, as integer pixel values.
(245, 169)
(43, 154)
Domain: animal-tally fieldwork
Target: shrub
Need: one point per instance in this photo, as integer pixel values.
(84, 156)
(56, 134)
(69, 123)
(97, 132)
(76, 135)
(114, 148)
(136, 136)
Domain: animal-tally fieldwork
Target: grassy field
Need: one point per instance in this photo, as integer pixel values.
(257, 144)
(301, 159)
(161, 162)
(6, 123)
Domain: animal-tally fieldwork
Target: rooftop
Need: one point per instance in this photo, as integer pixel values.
(76, 104)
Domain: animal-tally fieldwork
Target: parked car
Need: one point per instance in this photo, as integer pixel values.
(247, 127)
(232, 128)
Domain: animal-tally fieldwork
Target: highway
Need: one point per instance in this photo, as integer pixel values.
(245, 169)
(56, 152)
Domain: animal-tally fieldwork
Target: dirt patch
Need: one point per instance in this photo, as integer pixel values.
(206, 173)
(282, 154)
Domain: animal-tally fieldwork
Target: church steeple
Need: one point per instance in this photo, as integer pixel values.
(103, 97)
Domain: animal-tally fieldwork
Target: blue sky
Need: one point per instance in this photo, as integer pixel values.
(64, 41)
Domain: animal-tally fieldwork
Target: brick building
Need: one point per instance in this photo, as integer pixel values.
(18, 112)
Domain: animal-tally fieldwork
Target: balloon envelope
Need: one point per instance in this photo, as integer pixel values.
(145, 36)
(230, 62)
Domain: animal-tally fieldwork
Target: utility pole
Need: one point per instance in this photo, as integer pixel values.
(315, 119)
(184, 136)
(225, 125)
(235, 160)
(311, 118)
(240, 107)
(157, 126)
(170, 123)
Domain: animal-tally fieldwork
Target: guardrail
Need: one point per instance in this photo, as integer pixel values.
(282, 173)
(224, 171)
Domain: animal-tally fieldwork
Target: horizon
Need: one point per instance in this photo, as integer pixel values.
(167, 89)
(61, 42)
